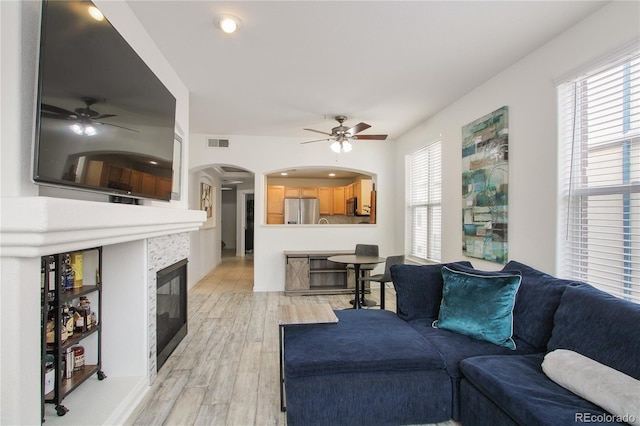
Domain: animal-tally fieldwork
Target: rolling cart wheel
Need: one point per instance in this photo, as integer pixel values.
(101, 375)
(61, 410)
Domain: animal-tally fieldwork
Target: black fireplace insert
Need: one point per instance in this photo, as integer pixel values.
(171, 309)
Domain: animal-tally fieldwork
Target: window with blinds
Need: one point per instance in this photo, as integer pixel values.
(600, 176)
(424, 209)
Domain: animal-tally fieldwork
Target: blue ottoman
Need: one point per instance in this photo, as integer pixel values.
(372, 367)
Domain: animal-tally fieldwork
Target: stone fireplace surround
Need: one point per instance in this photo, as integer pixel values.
(136, 241)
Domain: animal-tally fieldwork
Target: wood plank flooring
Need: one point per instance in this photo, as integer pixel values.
(225, 372)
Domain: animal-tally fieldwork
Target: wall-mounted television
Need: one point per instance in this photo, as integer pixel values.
(104, 121)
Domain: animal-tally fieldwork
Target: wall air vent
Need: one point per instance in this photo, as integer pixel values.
(218, 143)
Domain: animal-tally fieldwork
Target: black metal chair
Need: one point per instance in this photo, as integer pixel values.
(364, 250)
(384, 278)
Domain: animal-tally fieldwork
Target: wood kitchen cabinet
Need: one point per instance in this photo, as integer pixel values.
(339, 205)
(348, 191)
(325, 194)
(291, 192)
(275, 204)
(300, 192)
(310, 192)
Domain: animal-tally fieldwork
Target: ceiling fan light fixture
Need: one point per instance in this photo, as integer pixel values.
(335, 147)
(95, 13)
(228, 24)
(346, 146)
(83, 129)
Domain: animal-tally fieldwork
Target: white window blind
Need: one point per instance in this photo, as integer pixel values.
(424, 209)
(600, 176)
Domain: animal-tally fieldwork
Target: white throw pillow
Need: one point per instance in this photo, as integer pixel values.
(602, 385)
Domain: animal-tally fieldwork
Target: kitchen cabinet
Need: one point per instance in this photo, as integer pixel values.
(300, 192)
(348, 191)
(332, 198)
(325, 194)
(309, 272)
(310, 192)
(339, 205)
(275, 204)
(71, 324)
(291, 192)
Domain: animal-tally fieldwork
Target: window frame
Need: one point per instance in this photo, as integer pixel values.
(599, 167)
(428, 199)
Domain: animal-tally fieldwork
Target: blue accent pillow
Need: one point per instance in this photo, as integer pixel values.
(419, 290)
(479, 305)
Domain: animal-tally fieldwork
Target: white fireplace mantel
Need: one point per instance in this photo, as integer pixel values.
(37, 226)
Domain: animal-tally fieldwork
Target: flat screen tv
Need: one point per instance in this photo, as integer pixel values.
(104, 121)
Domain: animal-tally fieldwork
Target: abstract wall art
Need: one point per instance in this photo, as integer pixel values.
(485, 186)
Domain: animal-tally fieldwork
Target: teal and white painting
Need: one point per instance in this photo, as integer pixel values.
(485, 186)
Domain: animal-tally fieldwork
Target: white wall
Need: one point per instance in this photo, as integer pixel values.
(204, 253)
(528, 89)
(262, 155)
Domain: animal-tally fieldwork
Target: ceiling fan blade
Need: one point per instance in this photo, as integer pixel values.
(317, 140)
(47, 114)
(115, 125)
(358, 128)
(55, 109)
(318, 131)
(371, 137)
(100, 117)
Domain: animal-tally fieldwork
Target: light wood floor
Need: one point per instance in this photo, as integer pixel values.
(225, 372)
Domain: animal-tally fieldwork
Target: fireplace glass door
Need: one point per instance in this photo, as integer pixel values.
(171, 308)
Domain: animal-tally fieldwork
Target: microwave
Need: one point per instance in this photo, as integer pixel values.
(352, 206)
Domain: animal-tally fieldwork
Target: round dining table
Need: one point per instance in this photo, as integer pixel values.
(357, 261)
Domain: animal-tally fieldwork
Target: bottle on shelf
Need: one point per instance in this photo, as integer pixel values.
(67, 275)
(67, 320)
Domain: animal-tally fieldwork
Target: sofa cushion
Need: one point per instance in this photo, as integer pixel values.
(418, 290)
(361, 341)
(536, 302)
(608, 388)
(517, 385)
(479, 305)
(599, 326)
(455, 347)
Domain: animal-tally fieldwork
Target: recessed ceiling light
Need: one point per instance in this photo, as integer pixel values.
(95, 13)
(332, 174)
(284, 174)
(228, 23)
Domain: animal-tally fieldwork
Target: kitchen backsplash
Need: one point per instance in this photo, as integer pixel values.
(344, 220)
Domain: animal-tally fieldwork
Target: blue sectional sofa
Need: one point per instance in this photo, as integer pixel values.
(379, 367)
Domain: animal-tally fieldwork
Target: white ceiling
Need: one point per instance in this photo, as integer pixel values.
(391, 64)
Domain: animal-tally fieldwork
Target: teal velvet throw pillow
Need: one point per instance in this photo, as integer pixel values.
(479, 305)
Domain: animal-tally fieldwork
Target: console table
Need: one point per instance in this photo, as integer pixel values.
(309, 272)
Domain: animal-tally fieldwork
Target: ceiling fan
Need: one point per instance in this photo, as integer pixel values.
(84, 118)
(341, 135)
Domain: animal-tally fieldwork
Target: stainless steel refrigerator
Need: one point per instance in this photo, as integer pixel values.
(301, 210)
